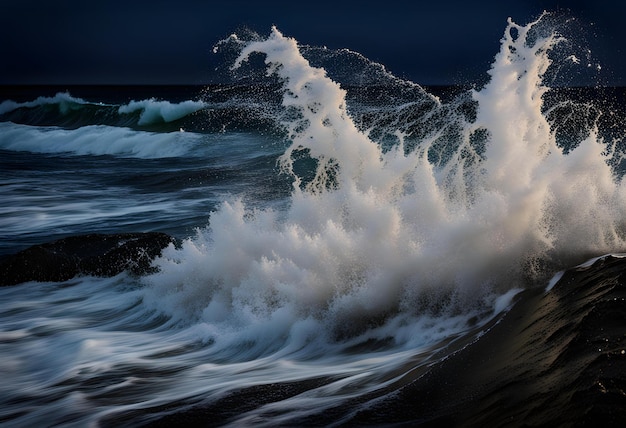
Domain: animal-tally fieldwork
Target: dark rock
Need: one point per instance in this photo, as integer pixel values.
(94, 254)
(555, 359)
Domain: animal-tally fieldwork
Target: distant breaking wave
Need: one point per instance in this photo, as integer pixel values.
(63, 100)
(65, 110)
(152, 111)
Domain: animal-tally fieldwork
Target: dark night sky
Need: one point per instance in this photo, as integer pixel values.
(147, 42)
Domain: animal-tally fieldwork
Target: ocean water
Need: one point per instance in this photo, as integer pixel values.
(342, 231)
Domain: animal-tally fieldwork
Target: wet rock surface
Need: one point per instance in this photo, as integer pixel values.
(93, 254)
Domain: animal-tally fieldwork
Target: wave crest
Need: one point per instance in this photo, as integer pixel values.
(153, 111)
(63, 100)
(375, 237)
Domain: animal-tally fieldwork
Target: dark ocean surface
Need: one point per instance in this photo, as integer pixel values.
(350, 248)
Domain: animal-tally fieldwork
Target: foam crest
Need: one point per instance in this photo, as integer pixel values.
(153, 111)
(322, 127)
(543, 187)
(375, 240)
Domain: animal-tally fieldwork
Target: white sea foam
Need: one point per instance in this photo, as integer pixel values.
(376, 237)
